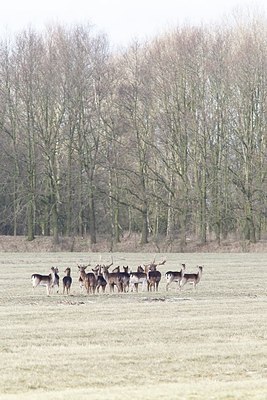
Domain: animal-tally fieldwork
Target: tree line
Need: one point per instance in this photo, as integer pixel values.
(165, 138)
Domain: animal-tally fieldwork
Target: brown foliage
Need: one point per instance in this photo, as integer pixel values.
(128, 244)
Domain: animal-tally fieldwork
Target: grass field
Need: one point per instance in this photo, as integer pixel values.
(204, 344)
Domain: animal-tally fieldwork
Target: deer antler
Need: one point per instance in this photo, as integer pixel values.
(82, 266)
(162, 262)
(111, 262)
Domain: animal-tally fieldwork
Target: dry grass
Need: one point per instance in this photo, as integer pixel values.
(207, 344)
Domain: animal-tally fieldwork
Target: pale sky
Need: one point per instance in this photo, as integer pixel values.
(121, 20)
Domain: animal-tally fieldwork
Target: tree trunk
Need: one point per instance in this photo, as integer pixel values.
(144, 232)
(30, 219)
(91, 215)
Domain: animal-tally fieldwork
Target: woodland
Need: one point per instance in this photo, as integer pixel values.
(166, 137)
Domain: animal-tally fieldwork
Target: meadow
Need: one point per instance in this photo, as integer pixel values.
(204, 344)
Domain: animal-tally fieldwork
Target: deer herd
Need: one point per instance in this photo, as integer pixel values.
(147, 276)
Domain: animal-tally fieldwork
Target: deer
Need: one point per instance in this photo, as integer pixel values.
(44, 280)
(191, 278)
(125, 279)
(67, 281)
(88, 279)
(174, 276)
(100, 281)
(112, 278)
(137, 278)
(153, 275)
(153, 279)
(124, 276)
(56, 281)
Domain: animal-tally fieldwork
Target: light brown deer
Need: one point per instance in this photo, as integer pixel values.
(112, 278)
(191, 278)
(138, 278)
(44, 280)
(67, 281)
(174, 276)
(88, 279)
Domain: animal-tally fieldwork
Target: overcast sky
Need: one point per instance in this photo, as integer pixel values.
(121, 20)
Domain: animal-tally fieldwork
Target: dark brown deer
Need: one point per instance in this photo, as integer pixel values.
(153, 280)
(125, 278)
(153, 275)
(67, 281)
(100, 281)
(56, 281)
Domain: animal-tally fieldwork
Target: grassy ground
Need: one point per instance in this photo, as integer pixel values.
(207, 344)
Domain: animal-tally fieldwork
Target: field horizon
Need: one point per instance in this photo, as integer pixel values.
(204, 344)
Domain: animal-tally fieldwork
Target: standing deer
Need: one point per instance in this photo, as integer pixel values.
(191, 278)
(153, 275)
(174, 276)
(153, 280)
(125, 278)
(44, 280)
(137, 278)
(100, 281)
(67, 281)
(112, 278)
(56, 281)
(88, 279)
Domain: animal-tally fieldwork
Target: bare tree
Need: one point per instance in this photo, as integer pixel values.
(137, 109)
(248, 140)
